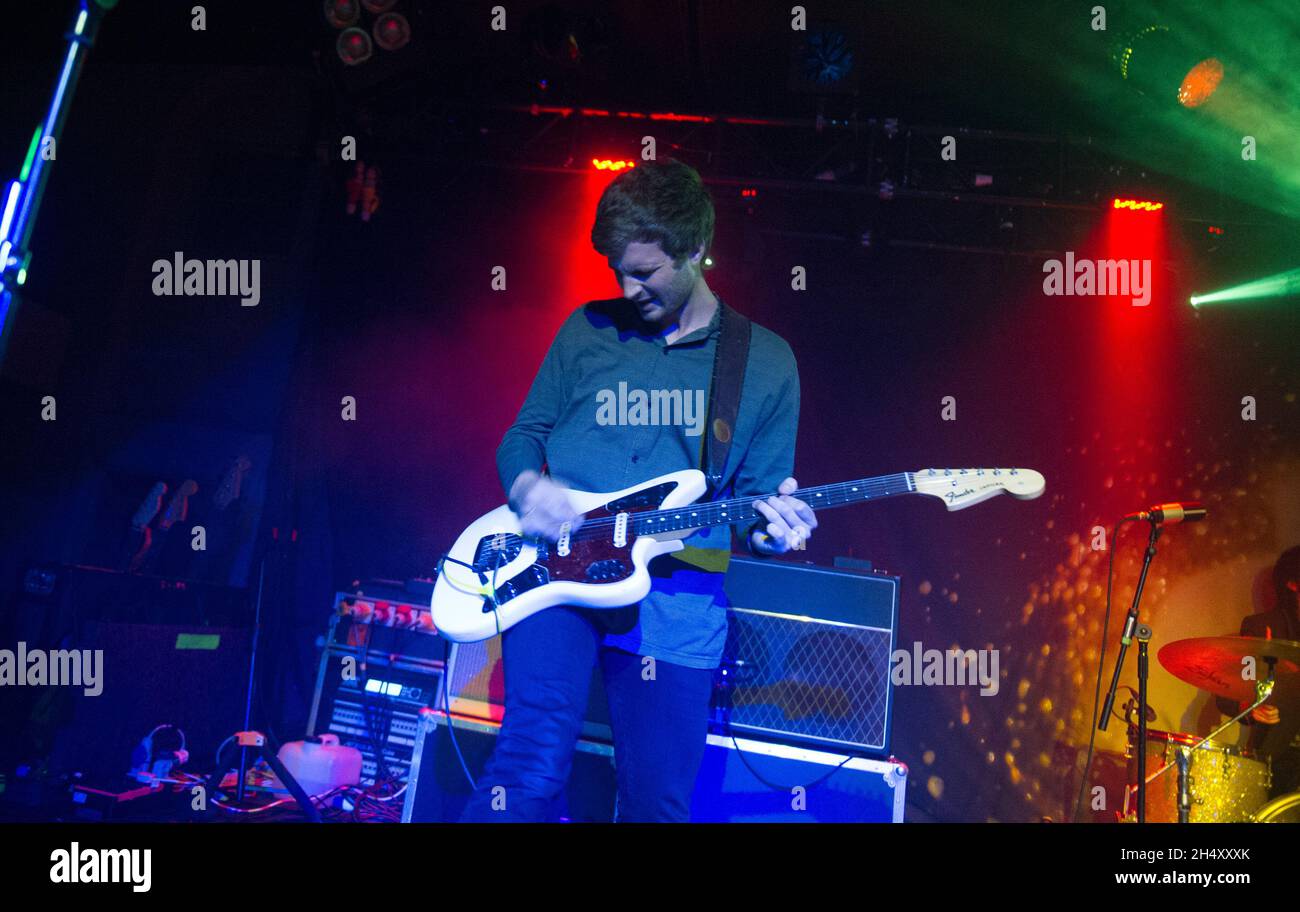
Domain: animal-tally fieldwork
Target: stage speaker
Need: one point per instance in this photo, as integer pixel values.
(192, 677)
(807, 657)
(437, 790)
(746, 781)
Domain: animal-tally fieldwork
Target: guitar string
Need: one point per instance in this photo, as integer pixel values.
(819, 497)
(847, 492)
(822, 497)
(711, 513)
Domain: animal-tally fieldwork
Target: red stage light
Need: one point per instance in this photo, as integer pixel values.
(1138, 344)
(612, 164)
(682, 118)
(1137, 205)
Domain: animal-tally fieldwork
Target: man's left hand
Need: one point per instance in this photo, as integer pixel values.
(790, 522)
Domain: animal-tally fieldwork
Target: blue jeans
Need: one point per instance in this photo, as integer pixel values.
(659, 723)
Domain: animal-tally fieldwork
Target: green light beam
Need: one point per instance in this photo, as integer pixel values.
(1274, 286)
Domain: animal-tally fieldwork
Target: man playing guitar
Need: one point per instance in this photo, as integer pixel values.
(654, 224)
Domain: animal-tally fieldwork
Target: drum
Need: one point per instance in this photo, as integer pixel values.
(1226, 784)
(1282, 809)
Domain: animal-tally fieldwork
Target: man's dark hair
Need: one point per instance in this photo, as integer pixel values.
(1286, 570)
(655, 202)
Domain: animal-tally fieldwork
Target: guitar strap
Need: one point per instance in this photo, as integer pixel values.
(724, 394)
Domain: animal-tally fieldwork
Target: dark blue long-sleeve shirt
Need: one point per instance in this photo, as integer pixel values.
(588, 418)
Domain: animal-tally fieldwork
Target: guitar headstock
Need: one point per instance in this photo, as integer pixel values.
(961, 488)
(231, 483)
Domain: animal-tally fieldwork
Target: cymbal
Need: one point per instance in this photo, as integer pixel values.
(1215, 663)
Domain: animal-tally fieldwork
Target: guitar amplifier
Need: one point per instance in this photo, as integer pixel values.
(385, 621)
(807, 657)
(192, 677)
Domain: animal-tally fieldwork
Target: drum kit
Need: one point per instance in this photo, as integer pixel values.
(1202, 780)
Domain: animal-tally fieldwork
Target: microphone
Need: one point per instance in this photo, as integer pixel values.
(1191, 511)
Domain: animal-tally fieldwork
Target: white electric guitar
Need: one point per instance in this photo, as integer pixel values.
(493, 577)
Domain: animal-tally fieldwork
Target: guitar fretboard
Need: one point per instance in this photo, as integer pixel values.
(741, 510)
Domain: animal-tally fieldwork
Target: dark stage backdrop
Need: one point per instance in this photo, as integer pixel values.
(1119, 406)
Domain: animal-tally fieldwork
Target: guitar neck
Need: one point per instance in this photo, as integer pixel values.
(741, 509)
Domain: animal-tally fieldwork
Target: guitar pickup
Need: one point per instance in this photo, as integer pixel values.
(620, 530)
(530, 578)
(562, 544)
(606, 570)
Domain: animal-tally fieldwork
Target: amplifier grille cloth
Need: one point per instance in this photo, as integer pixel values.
(810, 678)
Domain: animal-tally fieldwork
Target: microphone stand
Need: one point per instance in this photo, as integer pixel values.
(1182, 758)
(1143, 632)
(1143, 635)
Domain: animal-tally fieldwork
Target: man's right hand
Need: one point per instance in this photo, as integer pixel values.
(542, 506)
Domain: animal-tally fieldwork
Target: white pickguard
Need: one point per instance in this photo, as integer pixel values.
(458, 595)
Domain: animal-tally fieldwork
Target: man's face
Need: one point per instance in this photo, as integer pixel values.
(652, 282)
